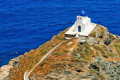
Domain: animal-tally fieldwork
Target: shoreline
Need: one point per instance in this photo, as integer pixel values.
(5, 69)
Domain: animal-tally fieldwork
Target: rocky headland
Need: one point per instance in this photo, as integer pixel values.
(96, 59)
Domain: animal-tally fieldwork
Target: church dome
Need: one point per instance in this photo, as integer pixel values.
(83, 13)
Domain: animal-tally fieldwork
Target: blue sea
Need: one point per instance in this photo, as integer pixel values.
(27, 24)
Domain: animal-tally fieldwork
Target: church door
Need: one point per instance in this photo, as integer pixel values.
(79, 28)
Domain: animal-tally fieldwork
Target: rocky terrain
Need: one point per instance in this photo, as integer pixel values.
(96, 59)
(107, 70)
(5, 70)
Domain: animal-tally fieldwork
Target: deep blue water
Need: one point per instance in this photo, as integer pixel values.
(27, 24)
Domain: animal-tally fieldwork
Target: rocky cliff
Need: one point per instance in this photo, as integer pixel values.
(96, 59)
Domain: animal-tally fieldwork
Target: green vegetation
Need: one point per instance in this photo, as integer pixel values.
(66, 51)
(44, 52)
(91, 71)
(58, 53)
(111, 54)
(83, 60)
(117, 46)
(58, 65)
(84, 51)
(101, 49)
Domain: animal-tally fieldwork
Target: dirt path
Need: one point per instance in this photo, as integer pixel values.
(26, 74)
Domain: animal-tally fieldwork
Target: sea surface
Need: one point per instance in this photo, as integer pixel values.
(27, 24)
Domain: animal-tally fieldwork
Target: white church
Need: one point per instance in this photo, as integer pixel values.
(82, 27)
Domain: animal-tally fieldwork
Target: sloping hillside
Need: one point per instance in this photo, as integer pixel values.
(96, 59)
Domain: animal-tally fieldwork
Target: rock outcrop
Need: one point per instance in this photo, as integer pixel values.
(107, 70)
(5, 70)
